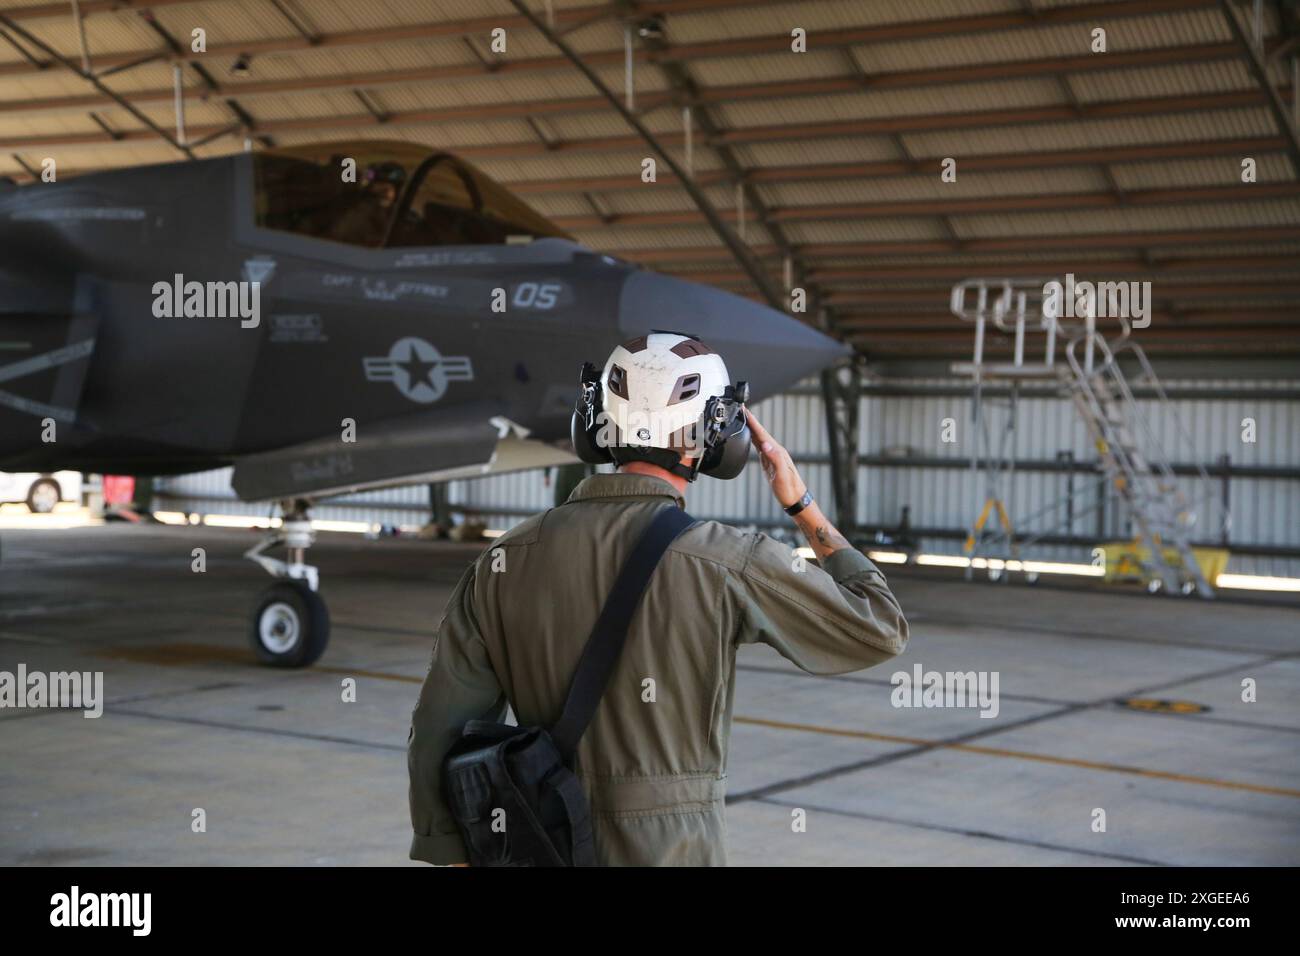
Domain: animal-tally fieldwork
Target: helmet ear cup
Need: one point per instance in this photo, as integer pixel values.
(727, 459)
(584, 442)
(588, 409)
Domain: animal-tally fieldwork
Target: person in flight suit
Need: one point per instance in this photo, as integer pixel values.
(518, 620)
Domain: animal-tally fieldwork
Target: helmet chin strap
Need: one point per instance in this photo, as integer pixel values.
(669, 461)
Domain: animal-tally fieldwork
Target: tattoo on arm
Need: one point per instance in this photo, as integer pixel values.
(821, 534)
(829, 540)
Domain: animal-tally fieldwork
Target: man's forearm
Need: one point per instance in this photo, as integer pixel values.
(821, 534)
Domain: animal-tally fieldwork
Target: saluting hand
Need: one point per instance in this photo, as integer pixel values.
(778, 466)
(788, 487)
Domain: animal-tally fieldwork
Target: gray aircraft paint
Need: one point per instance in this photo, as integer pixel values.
(163, 396)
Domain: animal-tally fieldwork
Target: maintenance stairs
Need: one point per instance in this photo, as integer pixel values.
(1131, 456)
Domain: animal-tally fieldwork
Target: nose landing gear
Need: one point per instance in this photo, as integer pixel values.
(290, 623)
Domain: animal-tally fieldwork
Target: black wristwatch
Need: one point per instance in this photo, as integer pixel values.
(799, 505)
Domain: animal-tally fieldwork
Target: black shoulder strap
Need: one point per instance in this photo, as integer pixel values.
(596, 665)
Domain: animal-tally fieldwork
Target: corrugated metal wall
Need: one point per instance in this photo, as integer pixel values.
(1265, 511)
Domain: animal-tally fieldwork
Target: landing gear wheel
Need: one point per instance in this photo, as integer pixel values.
(291, 625)
(43, 496)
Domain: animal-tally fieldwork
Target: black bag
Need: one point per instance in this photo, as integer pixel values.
(511, 789)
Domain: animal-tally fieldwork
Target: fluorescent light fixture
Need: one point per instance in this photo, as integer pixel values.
(351, 527)
(997, 564)
(171, 517)
(887, 557)
(943, 560)
(59, 519)
(239, 521)
(1244, 582)
(1056, 567)
(1257, 582)
(493, 532)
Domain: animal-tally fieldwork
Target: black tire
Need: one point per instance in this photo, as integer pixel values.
(39, 507)
(290, 626)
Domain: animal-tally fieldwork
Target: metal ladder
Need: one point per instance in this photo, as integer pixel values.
(1131, 455)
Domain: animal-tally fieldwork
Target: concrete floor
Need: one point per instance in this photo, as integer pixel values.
(289, 774)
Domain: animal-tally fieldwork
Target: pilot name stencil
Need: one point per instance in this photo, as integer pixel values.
(418, 370)
(380, 290)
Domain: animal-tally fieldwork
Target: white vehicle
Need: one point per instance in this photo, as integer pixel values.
(40, 491)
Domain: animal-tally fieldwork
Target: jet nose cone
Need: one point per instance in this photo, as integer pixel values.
(767, 348)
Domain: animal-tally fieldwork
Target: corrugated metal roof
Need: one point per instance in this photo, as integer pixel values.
(1270, 168)
(883, 111)
(825, 17)
(1219, 215)
(1099, 134)
(1029, 182)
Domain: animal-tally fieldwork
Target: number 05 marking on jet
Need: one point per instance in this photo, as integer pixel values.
(418, 370)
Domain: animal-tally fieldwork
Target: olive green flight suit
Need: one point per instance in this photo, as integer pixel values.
(653, 759)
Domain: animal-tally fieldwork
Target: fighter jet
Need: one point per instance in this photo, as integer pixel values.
(324, 319)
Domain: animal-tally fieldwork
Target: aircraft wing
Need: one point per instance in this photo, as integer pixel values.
(457, 442)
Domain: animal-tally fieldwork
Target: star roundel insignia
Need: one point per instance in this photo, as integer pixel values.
(418, 370)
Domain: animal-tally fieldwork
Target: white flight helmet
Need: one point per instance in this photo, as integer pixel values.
(662, 397)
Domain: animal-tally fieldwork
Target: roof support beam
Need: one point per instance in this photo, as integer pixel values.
(81, 37)
(43, 11)
(93, 81)
(37, 65)
(858, 82)
(1256, 59)
(1016, 244)
(122, 68)
(1028, 268)
(27, 167)
(987, 119)
(365, 100)
(178, 50)
(728, 236)
(305, 39)
(840, 387)
(296, 21)
(578, 16)
(99, 121)
(967, 207)
(1001, 162)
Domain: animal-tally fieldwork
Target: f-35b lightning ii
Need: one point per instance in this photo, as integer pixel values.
(323, 319)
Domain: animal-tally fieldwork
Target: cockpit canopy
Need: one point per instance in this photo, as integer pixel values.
(396, 195)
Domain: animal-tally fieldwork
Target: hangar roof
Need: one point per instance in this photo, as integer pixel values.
(1116, 165)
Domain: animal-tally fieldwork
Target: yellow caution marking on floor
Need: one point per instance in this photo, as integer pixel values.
(1152, 705)
(1023, 755)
